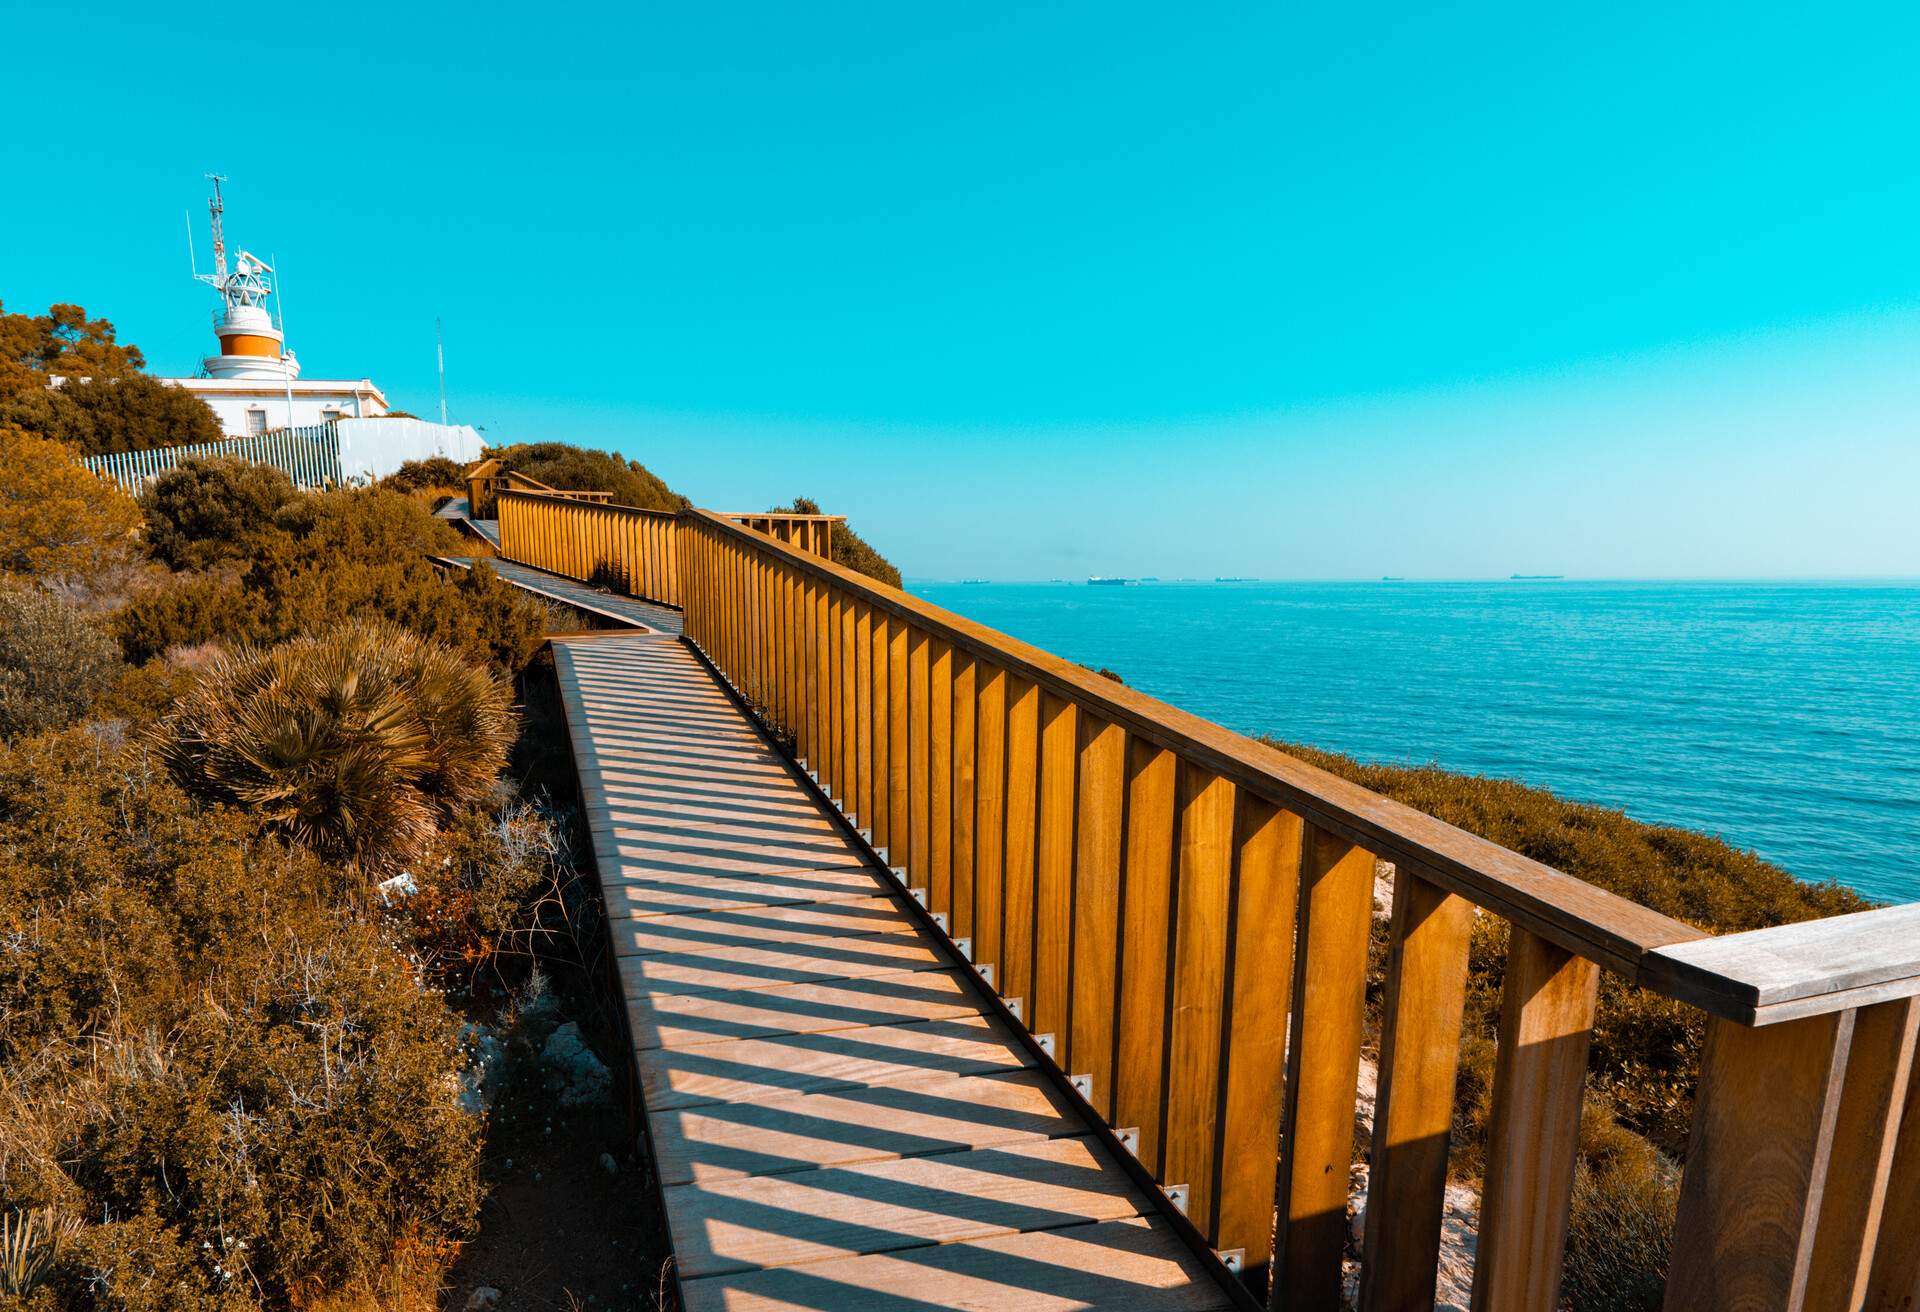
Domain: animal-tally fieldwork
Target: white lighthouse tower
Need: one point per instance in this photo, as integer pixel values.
(253, 385)
(251, 346)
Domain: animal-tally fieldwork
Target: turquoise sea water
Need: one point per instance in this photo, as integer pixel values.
(1784, 717)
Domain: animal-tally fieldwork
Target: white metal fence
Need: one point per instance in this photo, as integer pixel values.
(324, 455)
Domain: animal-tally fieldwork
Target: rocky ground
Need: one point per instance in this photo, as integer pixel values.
(569, 1221)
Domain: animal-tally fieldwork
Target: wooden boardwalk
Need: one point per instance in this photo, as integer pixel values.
(839, 1120)
(622, 611)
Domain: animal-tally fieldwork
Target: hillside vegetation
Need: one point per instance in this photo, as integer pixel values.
(849, 548)
(577, 469)
(230, 1074)
(107, 402)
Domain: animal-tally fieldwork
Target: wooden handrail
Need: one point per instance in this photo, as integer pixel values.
(1181, 917)
(625, 548)
(1164, 901)
(1589, 921)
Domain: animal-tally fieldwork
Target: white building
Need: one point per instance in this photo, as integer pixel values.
(254, 383)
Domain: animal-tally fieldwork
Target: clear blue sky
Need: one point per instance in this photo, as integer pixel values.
(1294, 291)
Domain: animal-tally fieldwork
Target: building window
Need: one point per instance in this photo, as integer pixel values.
(256, 421)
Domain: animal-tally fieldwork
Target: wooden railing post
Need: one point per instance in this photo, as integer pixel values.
(1413, 1114)
(1763, 1128)
(1323, 1070)
(1879, 1065)
(1546, 1027)
(1895, 1283)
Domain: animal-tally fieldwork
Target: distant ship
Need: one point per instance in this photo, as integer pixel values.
(975, 581)
(1099, 582)
(1536, 578)
(1230, 578)
(1393, 578)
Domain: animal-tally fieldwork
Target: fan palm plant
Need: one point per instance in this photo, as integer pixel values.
(30, 1243)
(355, 743)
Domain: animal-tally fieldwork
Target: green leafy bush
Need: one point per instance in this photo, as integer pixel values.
(321, 558)
(422, 475)
(354, 743)
(59, 524)
(849, 548)
(203, 512)
(578, 469)
(103, 401)
(54, 662)
(207, 1056)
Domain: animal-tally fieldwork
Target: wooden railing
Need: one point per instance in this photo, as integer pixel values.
(810, 533)
(624, 548)
(488, 479)
(1162, 902)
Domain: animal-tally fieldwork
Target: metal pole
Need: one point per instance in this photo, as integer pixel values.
(440, 354)
(280, 290)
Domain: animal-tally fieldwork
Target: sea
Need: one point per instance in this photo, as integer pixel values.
(1782, 716)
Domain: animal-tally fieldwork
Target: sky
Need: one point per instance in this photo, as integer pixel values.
(1049, 290)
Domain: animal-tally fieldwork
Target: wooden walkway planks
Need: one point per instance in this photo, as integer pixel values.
(839, 1120)
(632, 611)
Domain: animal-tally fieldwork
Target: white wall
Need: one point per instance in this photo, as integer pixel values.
(374, 448)
(231, 411)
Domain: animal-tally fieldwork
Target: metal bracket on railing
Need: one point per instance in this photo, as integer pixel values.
(1082, 1085)
(1177, 1195)
(899, 875)
(1231, 1258)
(1046, 1043)
(1013, 1006)
(984, 969)
(1129, 1139)
(940, 919)
(917, 894)
(965, 946)
(880, 852)
(866, 836)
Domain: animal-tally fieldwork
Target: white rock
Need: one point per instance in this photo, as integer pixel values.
(583, 1078)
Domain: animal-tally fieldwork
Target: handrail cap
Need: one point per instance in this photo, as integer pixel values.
(1788, 972)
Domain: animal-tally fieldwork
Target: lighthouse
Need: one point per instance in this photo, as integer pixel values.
(253, 384)
(254, 387)
(251, 345)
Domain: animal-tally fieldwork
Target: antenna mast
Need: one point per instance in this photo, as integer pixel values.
(217, 207)
(440, 355)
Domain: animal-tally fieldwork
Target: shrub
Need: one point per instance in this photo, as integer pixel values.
(323, 557)
(849, 548)
(1620, 1236)
(420, 475)
(577, 469)
(103, 402)
(205, 1053)
(58, 522)
(54, 662)
(186, 610)
(474, 892)
(352, 743)
(95, 416)
(203, 512)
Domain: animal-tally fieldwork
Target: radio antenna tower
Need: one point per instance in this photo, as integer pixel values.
(440, 355)
(217, 207)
